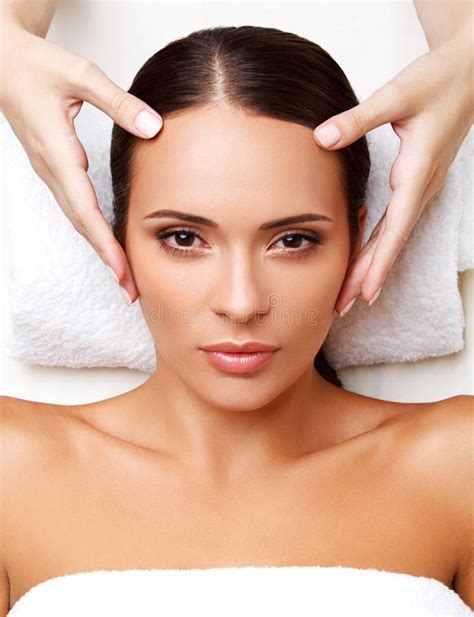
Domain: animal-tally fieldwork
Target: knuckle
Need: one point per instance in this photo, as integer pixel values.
(423, 164)
(39, 166)
(416, 169)
(439, 179)
(356, 120)
(405, 236)
(81, 71)
(37, 153)
(78, 223)
(100, 250)
(121, 103)
(399, 95)
(43, 157)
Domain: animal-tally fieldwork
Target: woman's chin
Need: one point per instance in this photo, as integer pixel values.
(234, 392)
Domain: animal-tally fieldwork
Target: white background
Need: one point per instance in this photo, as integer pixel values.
(372, 41)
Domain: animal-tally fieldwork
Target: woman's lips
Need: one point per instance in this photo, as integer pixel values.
(238, 362)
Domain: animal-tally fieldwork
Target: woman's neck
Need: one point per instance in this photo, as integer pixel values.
(229, 437)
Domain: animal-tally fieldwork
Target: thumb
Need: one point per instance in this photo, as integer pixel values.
(345, 128)
(125, 109)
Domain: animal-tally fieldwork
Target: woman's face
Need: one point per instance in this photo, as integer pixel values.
(238, 278)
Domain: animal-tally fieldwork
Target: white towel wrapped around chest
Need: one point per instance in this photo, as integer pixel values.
(280, 591)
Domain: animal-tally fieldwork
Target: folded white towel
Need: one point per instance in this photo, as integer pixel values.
(281, 591)
(64, 310)
(419, 312)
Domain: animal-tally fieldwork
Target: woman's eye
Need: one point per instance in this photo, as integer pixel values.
(294, 241)
(298, 244)
(184, 241)
(295, 244)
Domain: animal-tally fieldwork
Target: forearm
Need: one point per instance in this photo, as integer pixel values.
(442, 20)
(33, 15)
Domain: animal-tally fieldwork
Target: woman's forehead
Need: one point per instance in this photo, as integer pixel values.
(221, 155)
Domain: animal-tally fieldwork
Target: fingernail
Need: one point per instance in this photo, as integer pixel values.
(375, 296)
(328, 135)
(147, 123)
(112, 274)
(127, 298)
(347, 308)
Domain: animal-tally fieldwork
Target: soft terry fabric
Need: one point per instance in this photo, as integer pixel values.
(65, 310)
(291, 591)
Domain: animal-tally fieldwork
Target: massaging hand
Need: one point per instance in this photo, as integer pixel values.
(42, 89)
(430, 107)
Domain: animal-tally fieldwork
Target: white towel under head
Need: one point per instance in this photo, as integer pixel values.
(65, 310)
(268, 591)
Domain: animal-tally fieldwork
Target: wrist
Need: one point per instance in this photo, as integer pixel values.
(12, 26)
(461, 43)
(13, 36)
(459, 49)
(15, 19)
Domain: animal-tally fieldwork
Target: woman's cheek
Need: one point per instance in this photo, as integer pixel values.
(170, 295)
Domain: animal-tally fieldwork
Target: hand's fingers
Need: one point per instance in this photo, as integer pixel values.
(383, 106)
(73, 193)
(359, 269)
(64, 171)
(374, 234)
(126, 110)
(403, 212)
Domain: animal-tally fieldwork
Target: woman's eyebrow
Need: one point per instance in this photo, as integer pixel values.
(201, 220)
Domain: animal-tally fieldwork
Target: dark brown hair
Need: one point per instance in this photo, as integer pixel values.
(264, 71)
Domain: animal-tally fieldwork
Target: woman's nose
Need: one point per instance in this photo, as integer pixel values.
(237, 291)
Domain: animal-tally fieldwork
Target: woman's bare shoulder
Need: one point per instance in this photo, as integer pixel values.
(429, 447)
(436, 435)
(437, 450)
(30, 429)
(14, 409)
(413, 419)
(443, 429)
(19, 418)
(455, 423)
(18, 412)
